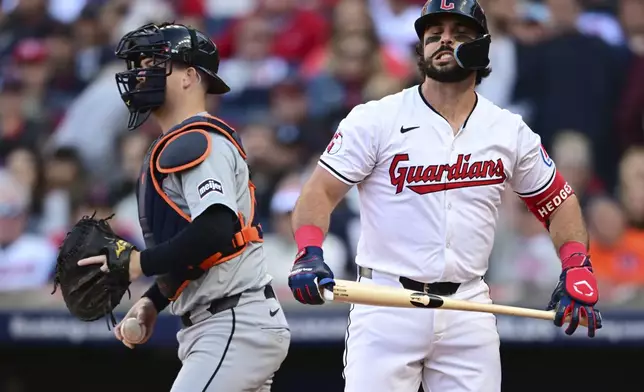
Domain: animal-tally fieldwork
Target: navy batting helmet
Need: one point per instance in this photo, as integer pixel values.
(469, 55)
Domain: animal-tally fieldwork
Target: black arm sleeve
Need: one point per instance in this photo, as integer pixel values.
(208, 234)
(158, 300)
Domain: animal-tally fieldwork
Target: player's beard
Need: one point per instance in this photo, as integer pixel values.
(451, 74)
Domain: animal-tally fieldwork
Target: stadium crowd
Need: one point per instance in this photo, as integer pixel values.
(574, 69)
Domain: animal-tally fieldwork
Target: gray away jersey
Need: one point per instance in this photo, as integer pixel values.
(222, 178)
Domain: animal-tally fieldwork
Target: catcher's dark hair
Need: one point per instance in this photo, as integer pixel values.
(72, 155)
(420, 63)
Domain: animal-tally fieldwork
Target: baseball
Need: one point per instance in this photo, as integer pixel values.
(132, 331)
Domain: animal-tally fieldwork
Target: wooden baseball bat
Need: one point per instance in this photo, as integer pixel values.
(370, 294)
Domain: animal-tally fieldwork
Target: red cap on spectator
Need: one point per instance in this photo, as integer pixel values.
(30, 51)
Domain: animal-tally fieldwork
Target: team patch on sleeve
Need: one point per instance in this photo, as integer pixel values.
(545, 157)
(335, 145)
(208, 186)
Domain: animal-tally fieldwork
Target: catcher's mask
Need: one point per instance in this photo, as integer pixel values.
(473, 55)
(143, 89)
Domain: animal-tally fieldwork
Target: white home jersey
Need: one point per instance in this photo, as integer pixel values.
(429, 199)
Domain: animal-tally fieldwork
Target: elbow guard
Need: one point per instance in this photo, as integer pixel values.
(546, 201)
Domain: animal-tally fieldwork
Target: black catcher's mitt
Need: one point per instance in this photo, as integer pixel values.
(90, 293)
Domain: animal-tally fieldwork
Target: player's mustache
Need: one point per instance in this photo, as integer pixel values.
(441, 50)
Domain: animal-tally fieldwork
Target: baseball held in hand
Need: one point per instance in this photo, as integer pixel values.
(132, 331)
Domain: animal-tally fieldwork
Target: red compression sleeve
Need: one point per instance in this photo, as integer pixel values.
(309, 235)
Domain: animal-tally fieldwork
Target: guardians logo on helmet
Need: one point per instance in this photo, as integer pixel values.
(471, 56)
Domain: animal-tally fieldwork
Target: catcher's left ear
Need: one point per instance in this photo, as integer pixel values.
(184, 151)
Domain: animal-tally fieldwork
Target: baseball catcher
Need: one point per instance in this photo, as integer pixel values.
(196, 205)
(93, 291)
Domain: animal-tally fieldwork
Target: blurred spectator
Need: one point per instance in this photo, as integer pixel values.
(630, 112)
(573, 155)
(617, 251)
(631, 186)
(598, 19)
(120, 14)
(269, 161)
(26, 260)
(90, 44)
(573, 88)
(26, 19)
(64, 84)
(30, 59)
(502, 15)
(531, 25)
(132, 147)
(394, 23)
(101, 98)
(16, 129)
(93, 137)
(352, 18)
(62, 10)
(280, 247)
(25, 164)
(218, 9)
(289, 110)
(295, 31)
(65, 180)
(64, 170)
(354, 60)
(252, 70)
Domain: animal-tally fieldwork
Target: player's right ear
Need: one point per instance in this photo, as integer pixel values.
(190, 77)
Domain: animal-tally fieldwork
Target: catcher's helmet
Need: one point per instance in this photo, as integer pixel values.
(470, 55)
(165, 44)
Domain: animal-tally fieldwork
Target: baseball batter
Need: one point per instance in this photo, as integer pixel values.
(196, 208)
(431, 163)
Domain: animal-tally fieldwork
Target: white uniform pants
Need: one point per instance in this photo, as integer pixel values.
(395, 349)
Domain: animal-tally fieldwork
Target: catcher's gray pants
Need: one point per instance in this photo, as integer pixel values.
(233, 350)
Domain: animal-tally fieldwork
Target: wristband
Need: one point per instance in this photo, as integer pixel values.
(309, 235)
(568, 249)
(159, 301)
